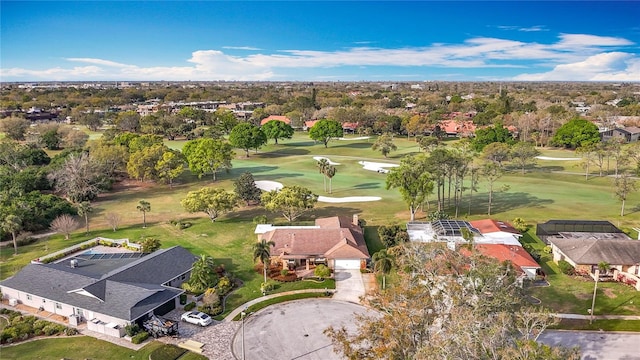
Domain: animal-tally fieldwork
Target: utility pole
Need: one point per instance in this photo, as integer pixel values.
(593, 301)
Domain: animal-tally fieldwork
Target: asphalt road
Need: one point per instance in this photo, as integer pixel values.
(596, 345)
(294, 330)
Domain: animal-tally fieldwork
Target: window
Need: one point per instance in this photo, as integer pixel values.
(29, 297)
(58, 306)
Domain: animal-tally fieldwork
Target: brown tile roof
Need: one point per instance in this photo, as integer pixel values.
(337, 238)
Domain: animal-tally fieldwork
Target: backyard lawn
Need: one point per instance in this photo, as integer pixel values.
(81, 347)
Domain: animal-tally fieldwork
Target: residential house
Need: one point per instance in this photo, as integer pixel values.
(457, 128)
(451, 231)
(586, 250)
(628, 134)
(337, 242)
(109, 291)
(499, 232)
(524, 264)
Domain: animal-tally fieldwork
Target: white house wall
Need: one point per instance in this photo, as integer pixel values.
(62, 308)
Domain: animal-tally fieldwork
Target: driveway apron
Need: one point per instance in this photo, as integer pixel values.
(349, 286)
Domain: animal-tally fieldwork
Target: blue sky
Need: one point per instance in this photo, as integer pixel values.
(320, 41)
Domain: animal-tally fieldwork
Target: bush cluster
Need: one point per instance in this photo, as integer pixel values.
(180, 224)
(566, 268)
(140, 337)
(23, 327)
(189, 306)
(132, 329)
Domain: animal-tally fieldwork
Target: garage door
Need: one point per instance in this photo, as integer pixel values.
(347, 264)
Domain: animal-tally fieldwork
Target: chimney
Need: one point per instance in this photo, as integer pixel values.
(355, 219)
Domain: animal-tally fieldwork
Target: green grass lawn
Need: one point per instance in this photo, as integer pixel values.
(75, 348)
(573, 294)
(546, 192)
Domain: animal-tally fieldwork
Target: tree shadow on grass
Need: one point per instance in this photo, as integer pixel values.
(506, 201)
(282, 153)
(547, 169)
(251, 169)
(356, 145)
(329, 211)
(370, 185)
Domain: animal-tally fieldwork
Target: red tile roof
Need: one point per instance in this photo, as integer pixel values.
(284, 119)
(457, 127)
(487, 226)
(518, 256)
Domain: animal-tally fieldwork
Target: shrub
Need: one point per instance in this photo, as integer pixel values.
(547, 249)
(224, 286)
(183, 299)
(38, 326)
(189, 306)
(566, 268)
(268, 286)
(132, 329)
(140, 337)
(322, 271)
(260, 219)
(520, 224)
(150, 245)
(71, 331)
(54, 329)
(9, 334)
(211, 310)
(284, 272)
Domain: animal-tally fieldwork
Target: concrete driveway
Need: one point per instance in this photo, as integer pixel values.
(595, 344)
(349, 286)
(294, 330)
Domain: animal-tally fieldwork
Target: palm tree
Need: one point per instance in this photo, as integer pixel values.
(330, 172)
(323, 164)
(262, 251)
(144, 206)
(203, 275)
(382, 262)
(12, 224)
(84, 208)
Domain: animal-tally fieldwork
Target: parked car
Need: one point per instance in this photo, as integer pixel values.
(196, 317)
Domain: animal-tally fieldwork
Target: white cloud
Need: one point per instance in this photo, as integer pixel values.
(613, 66)
(98, 62)
(534, 28)
(250, 48)
(572, 57)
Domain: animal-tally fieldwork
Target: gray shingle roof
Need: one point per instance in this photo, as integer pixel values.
(594, 251)
(126, 293)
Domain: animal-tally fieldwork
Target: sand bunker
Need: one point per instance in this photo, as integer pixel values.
(348, 199)
(355, 138)
(318, 158)
(267, 185)
(376, 166)
(556, 158)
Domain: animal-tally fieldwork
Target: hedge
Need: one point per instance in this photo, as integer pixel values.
(140, 337)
